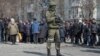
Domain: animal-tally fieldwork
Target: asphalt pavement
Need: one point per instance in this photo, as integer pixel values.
(27, 49)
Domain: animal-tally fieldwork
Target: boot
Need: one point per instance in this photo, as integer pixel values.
(58, 53)
(48, 52)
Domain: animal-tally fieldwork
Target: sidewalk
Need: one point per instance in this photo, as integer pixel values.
(22, 49)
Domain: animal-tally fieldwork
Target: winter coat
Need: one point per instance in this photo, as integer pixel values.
(1, 26)
(87, 30)
(67, 29)
(35, 27)
(13, 28)
(43, 30)
(76, 28)
(21, 26)
(71, 30)
(27, 29)
(62, 32)
(98, 30)
(94, 28)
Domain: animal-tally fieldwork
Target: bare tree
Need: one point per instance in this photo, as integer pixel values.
(88, 8)
(8, 8)
(19, 8)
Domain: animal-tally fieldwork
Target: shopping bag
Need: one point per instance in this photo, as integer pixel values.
(19, 37)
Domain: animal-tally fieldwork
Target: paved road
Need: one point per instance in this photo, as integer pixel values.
(22, 49)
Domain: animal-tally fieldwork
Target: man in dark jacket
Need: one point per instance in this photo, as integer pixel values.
(93, 33)
(77, 31)
(1, 30)
(67, 30)
(21, 29)
(98, 32)
(27, 30)
(86, 34)
(72, 36)
(43, 31)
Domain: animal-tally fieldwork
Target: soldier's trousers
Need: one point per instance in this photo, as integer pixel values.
(53, 37)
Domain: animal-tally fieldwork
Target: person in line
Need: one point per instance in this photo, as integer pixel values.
(35, 30)
(43, 31)
(13, 30)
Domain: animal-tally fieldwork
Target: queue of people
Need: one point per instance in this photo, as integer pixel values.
(33, 31)
(86, 32)
(24, 31)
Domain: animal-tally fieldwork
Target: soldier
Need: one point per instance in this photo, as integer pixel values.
(53, 30)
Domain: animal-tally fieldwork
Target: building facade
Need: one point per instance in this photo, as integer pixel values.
(97, 10)
(72, 9)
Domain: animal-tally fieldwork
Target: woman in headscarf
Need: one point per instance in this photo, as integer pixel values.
(13, 30)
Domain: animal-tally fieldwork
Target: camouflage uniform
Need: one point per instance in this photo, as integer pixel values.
(53, 32)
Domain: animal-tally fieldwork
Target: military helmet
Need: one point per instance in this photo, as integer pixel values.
(52, 5)
(52, 2)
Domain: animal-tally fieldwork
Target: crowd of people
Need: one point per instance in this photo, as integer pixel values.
(85, 32)
(24, 31)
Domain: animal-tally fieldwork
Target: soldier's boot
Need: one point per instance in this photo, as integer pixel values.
(48, 52)
(58, 53)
